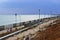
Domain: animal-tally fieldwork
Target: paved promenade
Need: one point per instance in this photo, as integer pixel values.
(32, 31)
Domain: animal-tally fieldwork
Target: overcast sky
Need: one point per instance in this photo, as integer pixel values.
(29, 6)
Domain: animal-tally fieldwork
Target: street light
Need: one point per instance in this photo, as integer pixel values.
(39, 19)
(39, 15)
(16, 19)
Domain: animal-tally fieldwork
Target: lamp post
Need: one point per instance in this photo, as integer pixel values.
(39, 15)
(39, 19)
(16, 18)
(20, 20)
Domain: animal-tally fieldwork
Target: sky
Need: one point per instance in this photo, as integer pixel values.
(29, 7)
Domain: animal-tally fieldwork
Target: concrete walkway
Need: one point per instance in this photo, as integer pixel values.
(5, 32)
(31, 31)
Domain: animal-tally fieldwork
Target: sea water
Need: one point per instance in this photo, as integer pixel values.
(10, 19)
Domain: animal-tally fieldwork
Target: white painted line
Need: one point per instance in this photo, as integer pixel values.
(12, 33)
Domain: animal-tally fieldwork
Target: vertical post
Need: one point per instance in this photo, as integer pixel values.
(16, 18)
(39, 15)
(51, 13)
(20, 19)
(39, 19)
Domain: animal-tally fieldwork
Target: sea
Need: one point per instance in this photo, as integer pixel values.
(10, 19)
